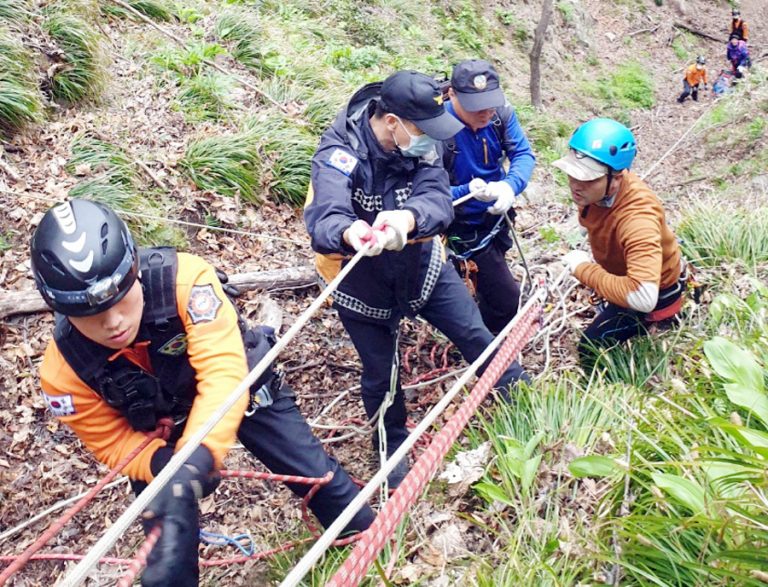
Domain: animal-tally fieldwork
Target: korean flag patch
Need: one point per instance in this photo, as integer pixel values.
(342, 161)
(60, 405)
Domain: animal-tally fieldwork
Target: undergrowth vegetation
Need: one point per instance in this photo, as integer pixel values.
(20, 100)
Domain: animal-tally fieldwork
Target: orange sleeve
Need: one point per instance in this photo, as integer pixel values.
(639, 234)
(745, 28)
(216, 352)
(103, 430)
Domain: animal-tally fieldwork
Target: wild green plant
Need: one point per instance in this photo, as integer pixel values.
(242, 29)
(155, 9)
(81, 75)
(14, 11)
(206, 96)
(94, 157)
(630, 86)
(710, 241)
(187, 61)
(20, 100)
(227, 164)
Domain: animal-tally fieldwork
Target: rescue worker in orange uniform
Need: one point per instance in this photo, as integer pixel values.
(145, 334)
(637, 268)
(695, 75)
(738, 26)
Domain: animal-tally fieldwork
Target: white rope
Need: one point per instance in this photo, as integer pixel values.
(322, 544)
(81, 571)
(169, 220)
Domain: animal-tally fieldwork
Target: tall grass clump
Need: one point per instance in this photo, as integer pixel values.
(242, 30)
(630, 86)
(225, 164)
(20, 100)
(710, 241)
(14, 11)
(81, 74)
(154, 9)
(288, 150)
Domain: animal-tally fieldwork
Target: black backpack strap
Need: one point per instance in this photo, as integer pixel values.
(450, 151)
(500, 120)
(158, 277)
(89, 361)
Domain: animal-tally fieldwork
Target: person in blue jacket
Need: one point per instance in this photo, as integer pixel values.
(378, 185)
(737, 53)
(475, 160)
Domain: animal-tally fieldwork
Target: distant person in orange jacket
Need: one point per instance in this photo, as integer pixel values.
(738, 26)
(637, 267)
(145, 334)
(695, 75)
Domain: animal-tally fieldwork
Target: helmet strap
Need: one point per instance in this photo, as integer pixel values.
(607, 200)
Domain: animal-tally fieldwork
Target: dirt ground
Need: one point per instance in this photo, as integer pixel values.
(42, 462)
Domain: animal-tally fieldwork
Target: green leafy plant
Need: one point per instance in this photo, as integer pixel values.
(14, 11)
(630, 86)
(206, 96)
(81, 74)
(155, 9)
(241, 28)
(20, 100)
(225, 164)
(187, 61)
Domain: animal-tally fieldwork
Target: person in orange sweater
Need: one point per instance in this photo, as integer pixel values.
(738, 26)
(695, 75)
(637, 267)
(147, 334)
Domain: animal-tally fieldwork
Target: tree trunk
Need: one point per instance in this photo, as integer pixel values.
(538, 45)
(29, 301)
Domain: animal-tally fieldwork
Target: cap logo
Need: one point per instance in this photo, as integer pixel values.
(597, 144)
(480, 82)
(438, 99)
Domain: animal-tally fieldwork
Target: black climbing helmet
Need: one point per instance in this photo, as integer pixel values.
(701, 60)
(736, 13)
(83, 258)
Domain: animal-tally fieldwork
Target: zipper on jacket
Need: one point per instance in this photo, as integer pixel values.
(485, 150)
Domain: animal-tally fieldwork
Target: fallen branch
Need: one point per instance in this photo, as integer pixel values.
(7, 169)
(699, 33)
(641, 31)
(145, 168)
(29, 301)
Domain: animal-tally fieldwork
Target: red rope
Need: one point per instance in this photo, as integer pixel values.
(140, 560)
(162, 431)
(374, 538)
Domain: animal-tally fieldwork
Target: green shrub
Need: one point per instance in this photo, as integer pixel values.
(630, 86)
(20, 100)
(355, 58)
(187, 61)
(227, 165)
(81, 75)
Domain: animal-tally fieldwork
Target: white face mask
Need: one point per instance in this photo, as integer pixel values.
(418, 145)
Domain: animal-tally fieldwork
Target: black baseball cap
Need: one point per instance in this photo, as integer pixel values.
(417, 97)
(476, 85)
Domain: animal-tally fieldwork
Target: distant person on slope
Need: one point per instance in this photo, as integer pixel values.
(738, 26)
(637, 267)
(737, 53)
(148, 334)
(378, 185)
(695, 75)
(474, 159)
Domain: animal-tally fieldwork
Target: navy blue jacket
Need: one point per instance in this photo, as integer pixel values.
(354, 178)
(481, 154)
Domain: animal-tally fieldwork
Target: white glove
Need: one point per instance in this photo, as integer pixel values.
(575, 258)
(477, 189)
(360, 234)
(504, 195)
(394, 226)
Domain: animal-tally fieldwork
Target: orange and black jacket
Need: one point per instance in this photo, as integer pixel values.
(636, 253)
(739, 27)
(211, 363)
(694, 76)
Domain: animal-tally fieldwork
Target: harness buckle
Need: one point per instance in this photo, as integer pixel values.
(265, 395)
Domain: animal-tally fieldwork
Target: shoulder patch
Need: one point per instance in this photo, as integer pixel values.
(60, 405)
(203, 304)
(342, 161)
(175, 347)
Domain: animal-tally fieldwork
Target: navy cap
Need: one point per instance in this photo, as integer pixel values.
(476, 85)
(417, 97)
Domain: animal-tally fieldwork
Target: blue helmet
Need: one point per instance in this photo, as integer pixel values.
(607, 141)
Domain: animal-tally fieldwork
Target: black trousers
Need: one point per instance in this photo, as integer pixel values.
(616, 324)
(689, 90)
(498, 293)
(281, 439)
(451, 310)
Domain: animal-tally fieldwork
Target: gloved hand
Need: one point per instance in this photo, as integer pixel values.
(503, 194)
(173, 561)
(575, 258)
(360, 234)
(394, 225)
(477, 189)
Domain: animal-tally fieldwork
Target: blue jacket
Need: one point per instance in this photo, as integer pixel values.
(481, 154)
(738, 55)
(353, 177)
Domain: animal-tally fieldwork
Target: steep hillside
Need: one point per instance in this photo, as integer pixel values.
(198, 119)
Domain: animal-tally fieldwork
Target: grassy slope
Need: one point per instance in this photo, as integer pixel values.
(652, 509)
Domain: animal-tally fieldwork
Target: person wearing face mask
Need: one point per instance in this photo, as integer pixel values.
(695, 75)
(475, 159)
(378, 185)
(637, 268)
